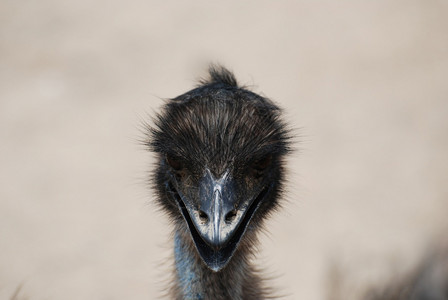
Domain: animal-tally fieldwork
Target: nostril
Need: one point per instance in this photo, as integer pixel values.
(231, 216)
(203, 216)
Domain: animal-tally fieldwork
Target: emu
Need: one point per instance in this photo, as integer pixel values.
(219, 174)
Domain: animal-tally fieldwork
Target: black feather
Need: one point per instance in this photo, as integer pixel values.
(219, 74)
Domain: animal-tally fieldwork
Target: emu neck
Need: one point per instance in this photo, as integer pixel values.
(196, 281)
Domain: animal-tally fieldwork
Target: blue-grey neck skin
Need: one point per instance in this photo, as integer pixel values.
(188, 273)
(197, 282)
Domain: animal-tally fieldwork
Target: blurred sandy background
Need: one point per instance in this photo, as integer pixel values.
(365, 81)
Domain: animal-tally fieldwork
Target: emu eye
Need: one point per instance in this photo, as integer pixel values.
(262, 164)
(174, 163)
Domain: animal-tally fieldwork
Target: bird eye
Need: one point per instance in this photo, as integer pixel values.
(174, 163)
(262, 164)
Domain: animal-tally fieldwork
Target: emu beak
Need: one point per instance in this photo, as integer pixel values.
(220, 222)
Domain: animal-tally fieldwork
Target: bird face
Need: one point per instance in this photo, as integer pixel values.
(219, 208)
(220, 169)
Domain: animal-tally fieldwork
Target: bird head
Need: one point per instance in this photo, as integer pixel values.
(219, 172)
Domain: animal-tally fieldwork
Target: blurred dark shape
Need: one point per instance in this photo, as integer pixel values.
(18, 295)
(427, 281)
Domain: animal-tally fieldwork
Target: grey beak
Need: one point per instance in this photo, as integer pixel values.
(218, 222)
(217, 216)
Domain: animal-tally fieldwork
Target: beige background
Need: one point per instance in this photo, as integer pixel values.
(364, 82)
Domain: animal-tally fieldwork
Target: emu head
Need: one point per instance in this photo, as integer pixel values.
(219, 173)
